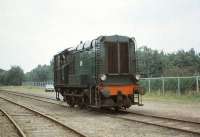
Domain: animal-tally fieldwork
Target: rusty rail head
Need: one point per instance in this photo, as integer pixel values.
(46, 116)
(20, 132)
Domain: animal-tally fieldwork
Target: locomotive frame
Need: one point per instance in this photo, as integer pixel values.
(100, 73)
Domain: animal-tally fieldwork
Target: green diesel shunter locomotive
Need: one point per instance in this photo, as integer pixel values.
(100, 73)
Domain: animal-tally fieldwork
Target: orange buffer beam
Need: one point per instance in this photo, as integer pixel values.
(125, 89)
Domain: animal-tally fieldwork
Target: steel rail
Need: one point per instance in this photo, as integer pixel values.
(136, 113)
(20, 132)
(32, 97)
(159, 125)
(163, 117)
(8, 91)
(46, 116)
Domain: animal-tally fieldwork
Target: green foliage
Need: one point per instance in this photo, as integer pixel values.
(2, 76)
(152, 63)
(187, 85)
(171, 85)
(40, 73)
(14, 76)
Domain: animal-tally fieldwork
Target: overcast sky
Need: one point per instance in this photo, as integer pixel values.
(32, 31)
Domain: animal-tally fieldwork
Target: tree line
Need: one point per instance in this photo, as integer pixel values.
(40, 74)
(154, 63)
(151, 63)
(15, 75)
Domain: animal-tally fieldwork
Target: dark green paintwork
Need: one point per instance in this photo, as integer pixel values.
(87, 70)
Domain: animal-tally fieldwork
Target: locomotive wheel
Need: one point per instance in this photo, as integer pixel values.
(116, 108)
(57, 93)
(71, 101)
(66, 99)
(86, 101)
(83, 101)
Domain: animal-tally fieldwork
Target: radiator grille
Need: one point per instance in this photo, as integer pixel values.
(112, 55)
(124, 60)
(117, 57)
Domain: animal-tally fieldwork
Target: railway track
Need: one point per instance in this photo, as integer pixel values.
(35, 97)
(161, 121)
(34, 123)
(170, 123)
(10, 127)
(29, 94)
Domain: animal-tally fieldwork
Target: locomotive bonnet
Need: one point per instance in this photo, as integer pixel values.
(99, 73)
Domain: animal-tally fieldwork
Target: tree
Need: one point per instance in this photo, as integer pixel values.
(14, 76)
(153, 63)
(2, 76)
(150, 62)
(40, 73)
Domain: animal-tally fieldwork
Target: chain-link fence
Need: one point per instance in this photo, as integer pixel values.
(175, 85)
(38, 84)
(161, 85)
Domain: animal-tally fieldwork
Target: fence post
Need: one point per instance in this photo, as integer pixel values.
(163, 85)
(149, 85)
(179, 93)
(197, 83)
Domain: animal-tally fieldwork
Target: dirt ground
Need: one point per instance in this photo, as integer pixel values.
(158, 107)
(190, 111)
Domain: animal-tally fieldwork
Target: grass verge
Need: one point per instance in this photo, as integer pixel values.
(172, 97)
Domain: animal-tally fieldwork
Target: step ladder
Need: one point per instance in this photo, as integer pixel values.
(98, 62)
(137, 99)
